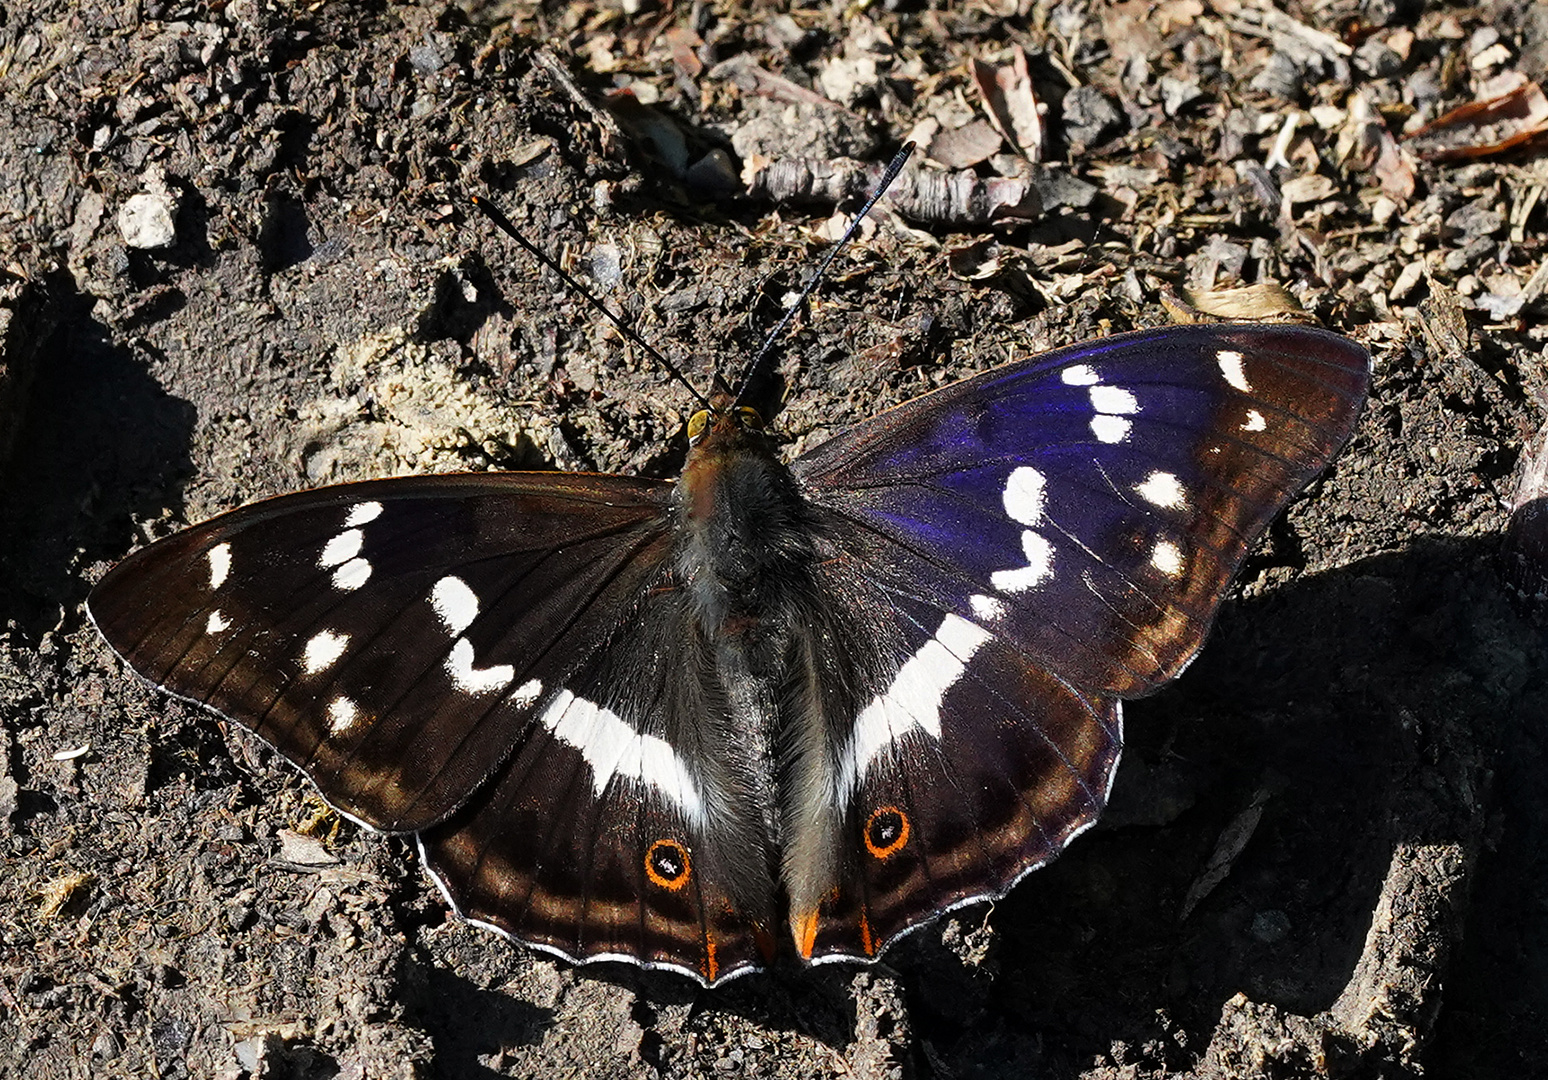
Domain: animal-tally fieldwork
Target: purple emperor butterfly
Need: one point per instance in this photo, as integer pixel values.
(769, 708)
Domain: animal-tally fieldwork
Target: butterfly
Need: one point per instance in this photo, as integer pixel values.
(767, 710)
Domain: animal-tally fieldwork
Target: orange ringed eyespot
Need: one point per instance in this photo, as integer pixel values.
(667, 865)
(886, 831)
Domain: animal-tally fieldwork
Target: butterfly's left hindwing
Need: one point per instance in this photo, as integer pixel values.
(393, 638)
(618, 831)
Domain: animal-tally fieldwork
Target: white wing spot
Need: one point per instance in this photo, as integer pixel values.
(1110, 429)
(322, 650)
(1024, 495)
(220, 564)
(341, 548)
(1167, 557)
(1113, 400)
(913, 699)
(217, 622)
(1255, 421)
(459, 665)
(342, 714)
(1231, 367)
(613, 748)
(363, 513)
(526, 693)
(987, 608)
(1164, 490)
(1039, 553)
(1080, 375)
(352, 575)
(455, 603)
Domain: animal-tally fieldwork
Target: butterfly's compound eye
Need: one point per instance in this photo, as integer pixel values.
(698, 423)
(666, 864)
(749, 418)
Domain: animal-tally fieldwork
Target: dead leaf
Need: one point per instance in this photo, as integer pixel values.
(974, 261)
(298, 850)
(1484, 128)
(966, 146)
(1129, 31)
(684, 44)
(1263, 302)
(1444, 323)
(744, 72)
(1366, 144)
(1313, 187)
(1010, 103)
(1230, 844)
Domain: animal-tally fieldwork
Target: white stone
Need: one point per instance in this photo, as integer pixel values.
(147, 220)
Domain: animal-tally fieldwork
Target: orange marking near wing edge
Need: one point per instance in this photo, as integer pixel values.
(867, 942)
(711, 964)
(805, 927)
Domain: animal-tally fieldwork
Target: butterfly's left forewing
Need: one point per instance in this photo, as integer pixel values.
(393, 638)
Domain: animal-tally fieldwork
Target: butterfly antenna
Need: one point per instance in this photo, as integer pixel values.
(894, 167)
(503, 224)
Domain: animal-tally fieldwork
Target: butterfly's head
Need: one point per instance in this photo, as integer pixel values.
(724, 425)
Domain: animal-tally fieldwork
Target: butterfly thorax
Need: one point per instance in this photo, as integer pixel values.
(744, 538)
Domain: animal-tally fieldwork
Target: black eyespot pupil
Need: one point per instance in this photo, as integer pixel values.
(886, 827)
(667, 862)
